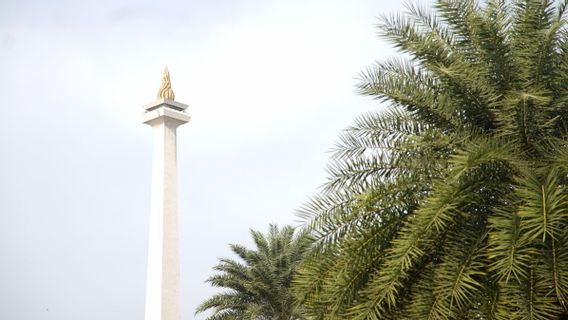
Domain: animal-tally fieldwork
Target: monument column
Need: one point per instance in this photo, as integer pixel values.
(162, 283)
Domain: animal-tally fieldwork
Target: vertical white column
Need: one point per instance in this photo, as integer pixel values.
(162, 286)
(162, 283)
(162, 291)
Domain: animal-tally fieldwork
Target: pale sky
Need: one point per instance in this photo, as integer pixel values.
(270, 85)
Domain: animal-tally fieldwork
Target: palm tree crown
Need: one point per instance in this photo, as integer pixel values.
(453, 203)
(258, 288)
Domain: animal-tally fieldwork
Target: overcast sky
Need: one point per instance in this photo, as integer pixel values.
(270, 85)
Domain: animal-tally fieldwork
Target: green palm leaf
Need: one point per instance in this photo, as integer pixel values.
(452, 203)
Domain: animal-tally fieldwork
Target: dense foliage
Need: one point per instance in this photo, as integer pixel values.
(453, 203)
(258, 286)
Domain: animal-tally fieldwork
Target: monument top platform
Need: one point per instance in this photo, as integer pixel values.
(165, 103)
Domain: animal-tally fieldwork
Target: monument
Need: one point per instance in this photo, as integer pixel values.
(162, 283)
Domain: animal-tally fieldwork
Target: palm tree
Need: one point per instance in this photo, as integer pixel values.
(452, 203)
(258, 287)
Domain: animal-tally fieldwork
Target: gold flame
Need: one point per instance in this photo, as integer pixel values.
(166, 91)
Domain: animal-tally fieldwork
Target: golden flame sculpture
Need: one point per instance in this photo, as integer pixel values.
(166, 91)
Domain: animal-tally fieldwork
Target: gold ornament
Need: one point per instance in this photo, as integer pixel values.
(166, 91)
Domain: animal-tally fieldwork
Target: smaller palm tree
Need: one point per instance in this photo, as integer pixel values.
(258, 287)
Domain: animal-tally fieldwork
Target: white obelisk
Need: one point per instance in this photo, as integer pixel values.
(162, 284)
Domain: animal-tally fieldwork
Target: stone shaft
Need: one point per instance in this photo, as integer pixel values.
(162, 286)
